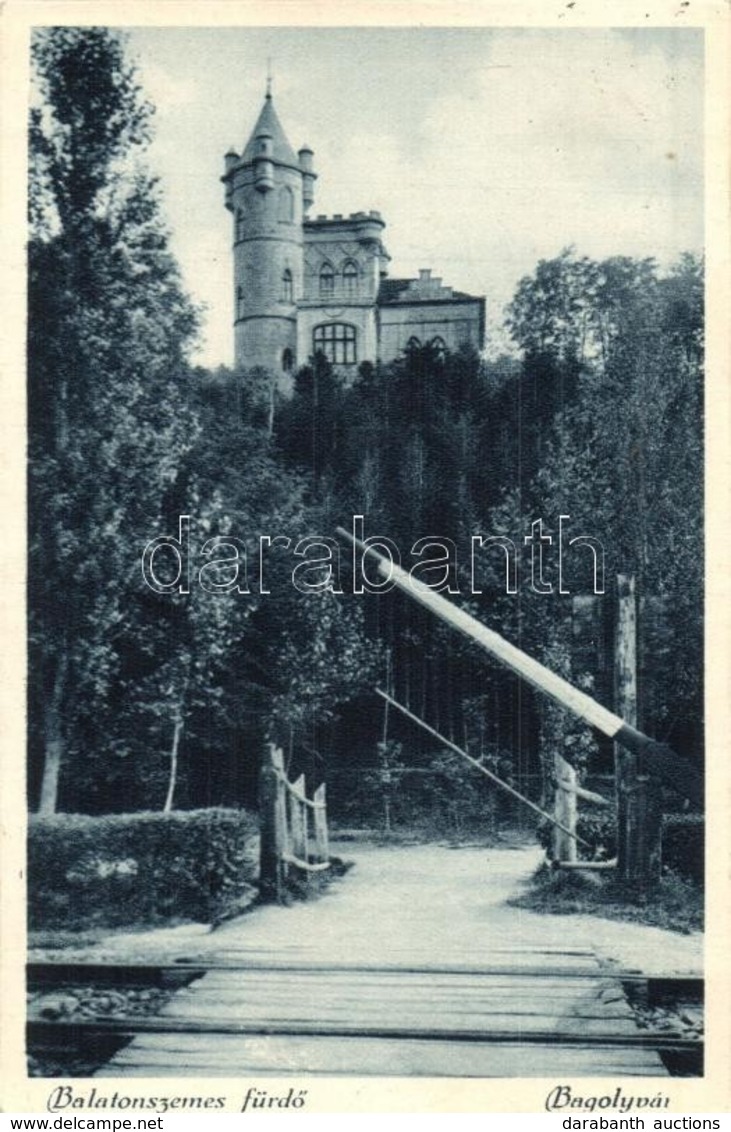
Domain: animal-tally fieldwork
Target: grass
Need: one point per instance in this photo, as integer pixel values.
(49, 940)
(63, 939)
(676, 905)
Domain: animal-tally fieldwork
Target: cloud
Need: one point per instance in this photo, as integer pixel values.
(560, 141)
(170, 91)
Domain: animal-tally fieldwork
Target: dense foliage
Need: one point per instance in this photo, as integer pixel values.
(600, 421)
(143, 699)
(683, 845)
(108, 419)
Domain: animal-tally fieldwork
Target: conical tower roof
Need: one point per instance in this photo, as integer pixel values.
(269, 123)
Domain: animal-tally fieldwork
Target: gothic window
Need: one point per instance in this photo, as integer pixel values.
(327, 281)
(239, 224)
(239, 302)
(350, 279)
(439, 346)
(337, 341)
(287, 360)
(413, 343)
(286, 205)
(287, 286)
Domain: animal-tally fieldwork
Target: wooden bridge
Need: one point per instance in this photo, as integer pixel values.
(524, 1014)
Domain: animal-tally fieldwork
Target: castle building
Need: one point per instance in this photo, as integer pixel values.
(306, 285)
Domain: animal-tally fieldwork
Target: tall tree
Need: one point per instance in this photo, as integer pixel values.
(624, 459)
(109, 326)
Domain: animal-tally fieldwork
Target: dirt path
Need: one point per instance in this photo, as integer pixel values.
(426, 902)
(411, 964)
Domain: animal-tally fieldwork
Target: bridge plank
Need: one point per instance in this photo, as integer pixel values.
(313, 1056)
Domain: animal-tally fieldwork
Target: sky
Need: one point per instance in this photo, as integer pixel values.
(485, 149)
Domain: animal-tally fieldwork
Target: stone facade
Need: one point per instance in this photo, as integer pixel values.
(419, 311)
(306, 285)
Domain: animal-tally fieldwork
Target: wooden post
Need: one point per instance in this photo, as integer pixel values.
(564, 845)
(284, 832)
(270, 860)
(638, 812)
(320, 822)
(298, 819)
(625, 702)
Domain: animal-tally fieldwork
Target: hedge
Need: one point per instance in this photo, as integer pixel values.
(141, 868)
(682, 839)
(597, 827)
(683, 845)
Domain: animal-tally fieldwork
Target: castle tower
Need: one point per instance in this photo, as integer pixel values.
(268, 190)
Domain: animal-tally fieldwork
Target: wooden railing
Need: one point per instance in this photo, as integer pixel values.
(294, 838)
(565, 838)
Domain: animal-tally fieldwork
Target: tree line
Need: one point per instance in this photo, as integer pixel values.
(145, 700)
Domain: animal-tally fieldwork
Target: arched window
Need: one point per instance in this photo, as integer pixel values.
(239, 302)
(239, 224)
(286, 205)
(413, 343)
(350, 279)
(327, 281)
(287, 360)
(287, 286)
(337, 341)
(439, 346)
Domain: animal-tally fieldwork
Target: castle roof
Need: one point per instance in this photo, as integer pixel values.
(390, 289)
(268, 123)
(424, 289)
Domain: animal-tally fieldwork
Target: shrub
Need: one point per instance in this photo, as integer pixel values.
(675, 904)
(446, 798)
(138, 868)
(683, 845)
(683, 841)
(598, 827)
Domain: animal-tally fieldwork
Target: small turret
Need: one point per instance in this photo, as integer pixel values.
(232, 160)
(308, 177)
(263, 164)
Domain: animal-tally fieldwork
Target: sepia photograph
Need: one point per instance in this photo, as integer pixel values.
(365, 451)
